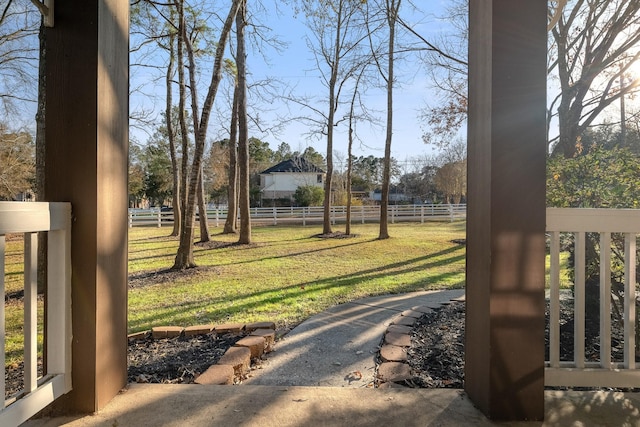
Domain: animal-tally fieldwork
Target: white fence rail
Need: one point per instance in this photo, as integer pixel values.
(605, 371)
(39, 391)
(312, 215)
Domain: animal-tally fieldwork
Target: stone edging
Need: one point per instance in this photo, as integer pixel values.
(393, 368)
(235, 363)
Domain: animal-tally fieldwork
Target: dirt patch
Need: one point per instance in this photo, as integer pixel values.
(336, 235)
(156, 277)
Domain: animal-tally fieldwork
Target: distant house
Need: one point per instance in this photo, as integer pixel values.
(396, 196)
(279, 182)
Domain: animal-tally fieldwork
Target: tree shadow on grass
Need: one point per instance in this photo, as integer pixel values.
(220, 308)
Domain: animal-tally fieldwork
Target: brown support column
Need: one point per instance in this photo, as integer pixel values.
(506, 208)
(86, 164)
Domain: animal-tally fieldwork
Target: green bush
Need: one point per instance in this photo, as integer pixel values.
(308, 195)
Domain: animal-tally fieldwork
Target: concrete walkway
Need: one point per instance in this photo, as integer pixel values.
(337, 348)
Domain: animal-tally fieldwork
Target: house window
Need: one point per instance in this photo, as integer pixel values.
(319, 178)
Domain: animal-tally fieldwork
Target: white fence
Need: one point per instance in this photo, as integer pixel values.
(39, 391)
(605, 371)
(312, 215)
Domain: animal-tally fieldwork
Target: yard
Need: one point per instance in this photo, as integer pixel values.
(288, 274)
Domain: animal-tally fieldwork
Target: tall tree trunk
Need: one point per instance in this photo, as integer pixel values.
(184, 139)
(184, 256)
(350, 147)
(326, 220)
(243, 136)
(171, 135)
(231, 224)
(392, 14)
(347, 228)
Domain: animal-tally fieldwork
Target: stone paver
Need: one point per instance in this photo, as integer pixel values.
(166, 332)
(190, 331)
(138, 335)
(393, 353)
(254, 344)
(412, 313)
(237, 357)
(401, 329)
(226, 328)
(394, 372)
(217, 375)
(394, 338)
(406, 321)
(269, 336)
(250, 327)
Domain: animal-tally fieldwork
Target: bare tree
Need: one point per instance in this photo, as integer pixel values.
(595, 44)
(451, 176)
(19, 27)
(388, 10)
(353, 118)
(231, 223)
(171, 136)
(338, 30)
(184, 257)
(243, 132)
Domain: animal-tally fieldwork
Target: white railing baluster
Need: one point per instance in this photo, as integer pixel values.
(59, 295)
(605, 372)
(630, 300)
(554, 301)
(36, 393)
(30, 311)
(2, 321)
(579, 300)
(605, 300)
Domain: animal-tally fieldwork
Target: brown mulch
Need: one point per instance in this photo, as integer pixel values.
(175, 360)
(436, 355)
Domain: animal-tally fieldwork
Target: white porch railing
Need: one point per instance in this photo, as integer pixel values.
(312, 215)
(604, 372)
(38, 392)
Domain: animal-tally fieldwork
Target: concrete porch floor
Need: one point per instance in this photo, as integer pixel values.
(263, 406)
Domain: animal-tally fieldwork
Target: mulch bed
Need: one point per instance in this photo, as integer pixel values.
(437, 352)
(175, 360)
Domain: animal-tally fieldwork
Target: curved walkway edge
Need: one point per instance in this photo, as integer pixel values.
(338, 347)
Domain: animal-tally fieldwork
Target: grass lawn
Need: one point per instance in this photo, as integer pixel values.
(287, 275)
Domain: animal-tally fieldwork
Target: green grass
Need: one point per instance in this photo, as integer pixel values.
(287, 274)
(565, 277)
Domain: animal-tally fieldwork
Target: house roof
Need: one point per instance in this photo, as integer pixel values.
(294, 164)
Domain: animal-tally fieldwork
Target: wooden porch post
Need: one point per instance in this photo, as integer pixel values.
(506, 208)
(86, 164)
